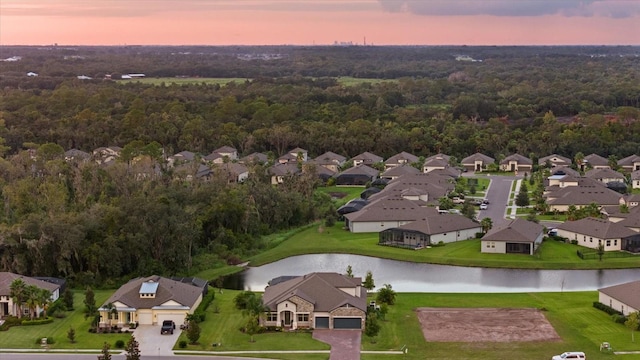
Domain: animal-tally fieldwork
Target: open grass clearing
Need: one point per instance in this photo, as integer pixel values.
(184, 81)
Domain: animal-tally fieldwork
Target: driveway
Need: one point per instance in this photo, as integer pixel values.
(150, 342)
(345, 344)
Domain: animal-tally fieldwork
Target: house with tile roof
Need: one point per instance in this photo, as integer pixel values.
(316, 300)
(519, 236)
(554, 160)
(622, 297)
(591, 232)
(7, 306)
(366, 158)
(151, 300)
(516, 163)
(477, 162)
(430, 230)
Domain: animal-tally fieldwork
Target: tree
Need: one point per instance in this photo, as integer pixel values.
(368, 281)
(132, 349)
(600, 250)
(486, 224)
(67, 299)
(633, 320)
(71, 335)
(44, 299)
(372, 327)
(252, 327)
(105, 355)
(32, 300)
(243, 299)
(522, 199)
(18, 293)
(445, 203)
(349, 271)
(90, 308)
(193, 332)
(386, 295)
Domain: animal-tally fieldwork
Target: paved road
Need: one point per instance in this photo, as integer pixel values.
(498, 196)
(50, 356)
(345, 344)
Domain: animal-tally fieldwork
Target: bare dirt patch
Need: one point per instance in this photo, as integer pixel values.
(485, 325)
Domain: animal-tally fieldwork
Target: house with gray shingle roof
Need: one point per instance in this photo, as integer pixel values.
(517, 237)
(430, 230)
(477, 162)
(431, 187)
(581, 192)
(317, 301)
(516, 163)
(594, 161)
(255, 158)
(590, 232)
(366, 158)
(357, 176)
(385, 213)
(331, 161)
(605, 176)
(400, 159)
(279, 172)
(436, 162)
(554, 160)
(635, 179)
(630, 164)
(7, 306)
(623, 297)
(397, 171)
(151, 300)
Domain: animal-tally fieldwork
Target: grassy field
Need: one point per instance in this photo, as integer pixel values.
(349, 192)
(25, 336)
(552, 254)
(183, 81)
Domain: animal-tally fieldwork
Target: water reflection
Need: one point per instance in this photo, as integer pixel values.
(411, 277)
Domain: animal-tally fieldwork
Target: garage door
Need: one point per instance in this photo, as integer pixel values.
(347, 323)
(178, 318)
(322, 322)
(145, 319)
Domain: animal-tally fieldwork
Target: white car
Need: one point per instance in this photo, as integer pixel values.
(484, 206)
(570, 355)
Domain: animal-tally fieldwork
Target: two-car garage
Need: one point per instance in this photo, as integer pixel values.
(322, 322)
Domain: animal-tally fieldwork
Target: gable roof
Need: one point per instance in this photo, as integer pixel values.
(330, 158)
(627, 293)
(185, 294)
(629, 160)
(522, 160)
(400, 170)
(368, 158)
(604, 174)
(478, 157)
(440, 224)
(320, 289)
(6, 278)
(361, 169)
(595, 160)
(401, 158)
(391, 209)
(600, 228)
(518, 230)
(556, 159)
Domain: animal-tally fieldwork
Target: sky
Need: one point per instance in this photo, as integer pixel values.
(320, 22)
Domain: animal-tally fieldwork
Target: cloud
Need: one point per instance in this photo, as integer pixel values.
(606, 8)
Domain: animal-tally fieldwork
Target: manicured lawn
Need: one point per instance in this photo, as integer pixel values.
(552, 254)
(26, 336)
(223, 323)
(348, 193)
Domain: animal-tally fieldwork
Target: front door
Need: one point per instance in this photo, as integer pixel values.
(4, 310)
(287, 318)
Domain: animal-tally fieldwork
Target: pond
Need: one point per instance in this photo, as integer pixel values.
(413, 277)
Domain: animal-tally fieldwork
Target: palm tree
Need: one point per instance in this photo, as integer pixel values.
(44, 299)
(18, 293)
(32, 300)
(486, 224)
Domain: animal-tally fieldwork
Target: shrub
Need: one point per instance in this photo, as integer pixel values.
(574, 242)
(119, 344)
(182, 344)
(617, 318)
(50, 341)
(37, 321)
(609, 310)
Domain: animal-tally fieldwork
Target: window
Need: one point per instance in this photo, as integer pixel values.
(590, 239)
(303, 317)
(272, 316)
(615, 242)
(608, 242)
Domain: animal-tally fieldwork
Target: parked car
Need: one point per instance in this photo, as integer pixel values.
(484, 206)
(457, 200)
(485, 201)
(570, 355)
(167, 327)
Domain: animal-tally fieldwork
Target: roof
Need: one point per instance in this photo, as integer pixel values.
(6, 278)
(400, 170)
(438, 156)
(391, 209)
(188, 155)
(401, 158)
(368, 157)
(595, 160)
(584, 195)
(185, 294)
(75, 153)
(361, 169)
(320, 289)
(522, 160)
(555, 159)
(284, 169)
(255, 157)
(627, 293)
(330, 158)
(225, 150)
(565, 170)
(477, 157)
(599, 228)
(439, 224)
(605, 173)
(629, 160)
(518, 230)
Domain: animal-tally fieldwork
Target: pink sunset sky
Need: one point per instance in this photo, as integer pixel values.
(305, 22)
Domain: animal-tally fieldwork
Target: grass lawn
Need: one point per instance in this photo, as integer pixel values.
(26, 336)
(182, 81)
(552, 254)
(223, 323)
(350, 192)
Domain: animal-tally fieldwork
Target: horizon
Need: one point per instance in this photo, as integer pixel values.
(320, 22)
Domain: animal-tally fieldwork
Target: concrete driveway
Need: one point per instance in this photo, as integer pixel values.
(152, 343)
(345, 344)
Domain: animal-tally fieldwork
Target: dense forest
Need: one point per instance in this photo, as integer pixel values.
(97, 224)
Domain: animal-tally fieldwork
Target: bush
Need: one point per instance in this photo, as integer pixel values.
(617, 318)
(119, 344)
(182, 344)
(574, 242)
(10, 321)
(37, 322)
(609, 310)
(50, 341)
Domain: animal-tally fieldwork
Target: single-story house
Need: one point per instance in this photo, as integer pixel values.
(516, 163)
(366, 158)
(590, 232)
(279, 172)
(255, 158)
(635, 179)
(594, 161)
(331, 161)
(605, 176)
(108, 154)
(75, 155)
(565, 170)
(151, 300)
(434, 164)
(630, 163)
(580, 196)
(554, 160)
(427, 187)
(403, 158)
(623, 297)
(234, 172)
(180, 158)
(397, 171)
(7, 306)
(317, 301)
(517, 237)
(322, 172)
(477, 162)
(294, 156)
(430, 230)
(386, 213)
(357, 176)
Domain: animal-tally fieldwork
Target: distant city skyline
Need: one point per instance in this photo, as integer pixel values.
(320, 22)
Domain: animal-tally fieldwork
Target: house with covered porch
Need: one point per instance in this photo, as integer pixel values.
(517, 237)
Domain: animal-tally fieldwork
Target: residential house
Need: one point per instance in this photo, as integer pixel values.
(386, 213)
(366, 158)
(630, 163)
(519, 236)
(591, 232)
(554, 160)
(430, 230)
(436, 162)
(183, 157)
(75, 155)
(426, 187)
(516, 163)
(565, 170)
(605, 176)
(622, 297)
(357, 176)
(232, 172)
(294, 156)
(579, 191)
(322, 172)
(331, 161)
(635, 179)
(222, 154)
(8, 307)
(477, 162)
(594, 161)
(279, 172)
(151, 300)
(317, 301)
(400, 159)
(397, 171)
(256, 158)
